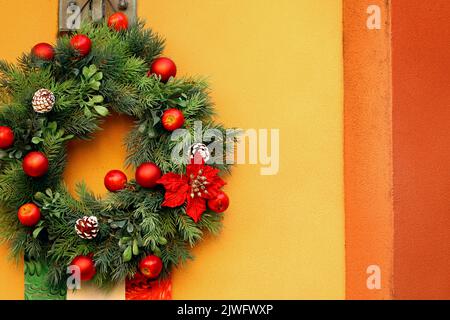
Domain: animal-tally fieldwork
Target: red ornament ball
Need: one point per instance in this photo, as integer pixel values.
(172, 119)
(81, 43)
(29, 214)
(118, 21)
(35, 164)
(220, 203)
(164, 67)
(147, 174)
(6, 137)
(151, 266)
(43, 51)
(115, 180)
(86, 265)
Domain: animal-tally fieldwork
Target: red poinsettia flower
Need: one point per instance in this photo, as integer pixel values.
(199, 184)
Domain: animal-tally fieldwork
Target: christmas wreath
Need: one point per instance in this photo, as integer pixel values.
(146, 226)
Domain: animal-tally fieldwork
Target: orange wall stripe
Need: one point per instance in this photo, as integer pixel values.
(421, 83)
(367, 150)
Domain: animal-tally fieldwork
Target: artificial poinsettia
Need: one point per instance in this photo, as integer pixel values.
(199, 184)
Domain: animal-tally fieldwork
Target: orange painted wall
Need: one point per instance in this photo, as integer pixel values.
(271, 64)
(421, 84)
(367, 150)
(14, 39)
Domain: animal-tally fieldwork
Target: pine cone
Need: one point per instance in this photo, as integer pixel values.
(43, 101)
(200, 149)
(87, 227)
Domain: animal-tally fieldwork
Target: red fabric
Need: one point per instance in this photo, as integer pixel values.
(188, 188)
(141, 288)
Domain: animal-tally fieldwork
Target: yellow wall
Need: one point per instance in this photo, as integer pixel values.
(271, 64)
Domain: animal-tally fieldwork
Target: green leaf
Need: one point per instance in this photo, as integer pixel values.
(49, 192)
(101, 110)
(135, 247)
(151, 132)
(68, 137)
(162, 240)
(86, 72)
(121, 223)
(95, 85)
(37, 231)
(76, 72)
(89, 72)
(87, 112)
(182, 103)
(98, 76)
(130, 227)
(127, 254)
(39, 196)
(124, 240)
(157, 251)
(142, 128)
(37, 140)
(52, 126)
(97, 99)
(56, 214)
(31, 267)
(38, 268)
(92, 69)
(156, 117)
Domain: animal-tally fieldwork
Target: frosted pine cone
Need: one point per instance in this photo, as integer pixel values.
(87, 227)
(201, 149)
(43, 101)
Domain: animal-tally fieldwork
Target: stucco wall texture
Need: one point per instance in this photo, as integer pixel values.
(271, 64)
(421, 144)
(361, 111)
(367, 150)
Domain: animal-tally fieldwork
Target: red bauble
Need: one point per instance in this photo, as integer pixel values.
(81, 43)
(6, 137)
(151, 266)
(86, 265)
(35, 164)
(43, 51)
(220, 203)
(115, 180)
(172, 119)
(147, 174)
(164, 67)
(29, 214)
(118, 21)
